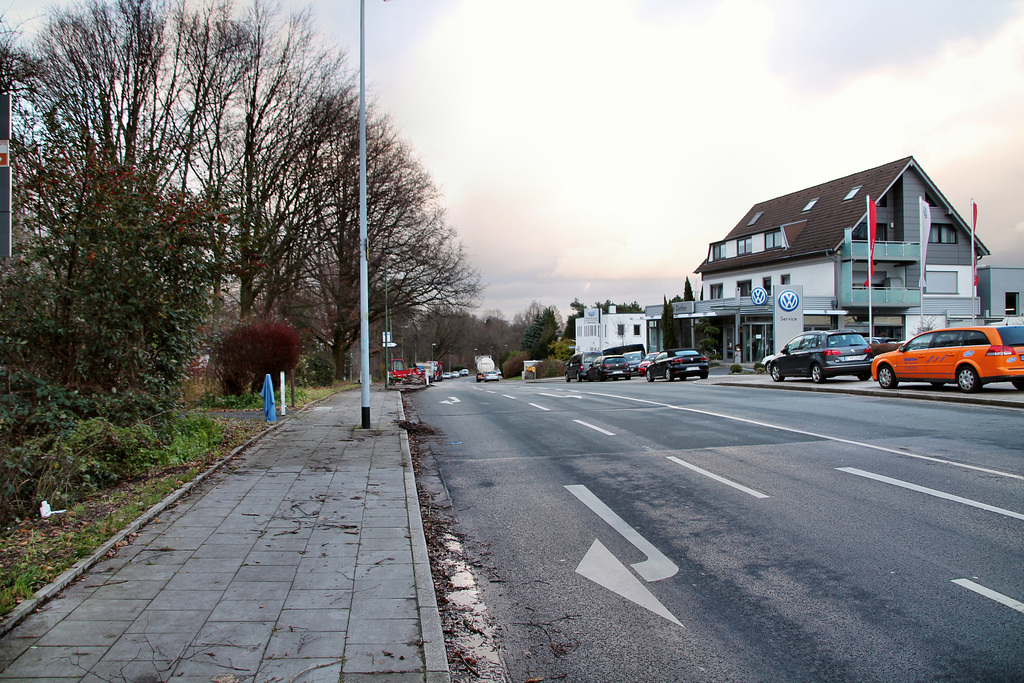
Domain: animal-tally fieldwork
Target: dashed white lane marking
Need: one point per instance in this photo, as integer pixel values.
(594, 427)
(990, 594)
(931, 492)
(727, 482)
(539, 406)
(826, 437)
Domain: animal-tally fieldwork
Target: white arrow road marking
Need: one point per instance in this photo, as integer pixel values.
(604, 569)
(987, 592)
(594, 427)
(728, 482)
(931, 492)
(452, 401)
(656, 567)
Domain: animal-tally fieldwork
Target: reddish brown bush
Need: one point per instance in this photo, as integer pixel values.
(249, 352)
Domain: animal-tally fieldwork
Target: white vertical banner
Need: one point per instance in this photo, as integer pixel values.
(926, 231)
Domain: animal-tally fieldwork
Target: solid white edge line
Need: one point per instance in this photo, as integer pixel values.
(594, 427)
(931, 492)
(539, 406)
(896, 451)
(991, 594)
(727, 482)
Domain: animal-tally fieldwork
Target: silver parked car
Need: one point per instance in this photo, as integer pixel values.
(820, 355)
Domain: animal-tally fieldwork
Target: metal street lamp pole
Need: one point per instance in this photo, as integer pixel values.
(364, 292)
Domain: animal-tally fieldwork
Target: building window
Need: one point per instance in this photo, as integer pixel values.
(718, 252)
(773, 239)
(1013, 303)
(852, 193)
(716, 291)
(941, 282)
(636, 330)
(756, 216)
(810, 204)
(784, 279)
(745, 246)
(942, 234)
(744, 287)
(767, 284)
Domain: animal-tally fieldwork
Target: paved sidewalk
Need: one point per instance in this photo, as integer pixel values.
(303, 559)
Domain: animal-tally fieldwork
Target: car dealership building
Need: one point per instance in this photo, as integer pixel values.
(801, 262)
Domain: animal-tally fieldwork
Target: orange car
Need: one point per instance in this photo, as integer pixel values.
(966, 356)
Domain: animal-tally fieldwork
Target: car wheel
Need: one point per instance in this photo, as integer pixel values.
(567, 378)
(776, 373)
(864, 376)
(967, 379)
(704, 376)
(887, 378)
(650, 375)
(817, 374)
(1018, 384)
(629, 377)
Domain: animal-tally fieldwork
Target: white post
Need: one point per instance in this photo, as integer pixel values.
(284, 400)
(364, 315)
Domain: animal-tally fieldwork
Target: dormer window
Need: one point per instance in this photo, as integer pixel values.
(745, 245)
(754, 219)
(810, 204)
(852, 193)
(773, 239)
(717, 252)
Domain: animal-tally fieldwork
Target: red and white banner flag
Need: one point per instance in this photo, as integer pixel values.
(974, 254)
(926, 231)
(872, 217)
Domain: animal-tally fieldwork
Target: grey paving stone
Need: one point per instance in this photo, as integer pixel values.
(318, 599)
(314, 620)
(44, 663)
(290, 643)
(145, 647)
(385, 657)
(171, 621)
(362, 630)
(97, 609)
(306, 670)
(71, 633)
(246, 610)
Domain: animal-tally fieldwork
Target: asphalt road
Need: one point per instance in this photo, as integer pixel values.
(629, 531)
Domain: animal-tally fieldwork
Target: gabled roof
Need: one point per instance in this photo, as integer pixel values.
(819, 227)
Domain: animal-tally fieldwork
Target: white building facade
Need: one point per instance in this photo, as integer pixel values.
(596, 330)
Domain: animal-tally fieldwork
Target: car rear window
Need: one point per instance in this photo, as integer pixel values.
(975, 338)
(684, 352)
(850, 339)
(1012, 336)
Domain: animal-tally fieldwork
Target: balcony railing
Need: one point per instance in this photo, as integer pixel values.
(897, 252)
(880, 296)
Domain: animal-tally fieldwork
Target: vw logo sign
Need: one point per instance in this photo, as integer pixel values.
(759, 297)
(788, 300)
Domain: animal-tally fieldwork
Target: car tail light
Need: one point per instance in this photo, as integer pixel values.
(833, 352)
(1001, 351)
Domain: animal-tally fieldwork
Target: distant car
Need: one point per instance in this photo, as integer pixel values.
(492, 376)
(681, 363)
(608, 367)
(464, 372)
(447, 375)
(970, 357)
(576, 368)
(823, 354)
(634, 358)
(648, 359)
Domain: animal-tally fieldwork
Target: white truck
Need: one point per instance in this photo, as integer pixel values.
(483, 364)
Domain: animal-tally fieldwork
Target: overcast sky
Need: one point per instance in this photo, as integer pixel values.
(593, 148)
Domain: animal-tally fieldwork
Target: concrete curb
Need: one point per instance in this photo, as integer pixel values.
(44, 594)
(435, 655)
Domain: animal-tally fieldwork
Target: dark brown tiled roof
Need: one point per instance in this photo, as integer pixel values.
(818, 229)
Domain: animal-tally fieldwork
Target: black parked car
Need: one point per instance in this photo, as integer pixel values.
(609, 367)
(576, 368)
(682, 363)
(820, 355)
